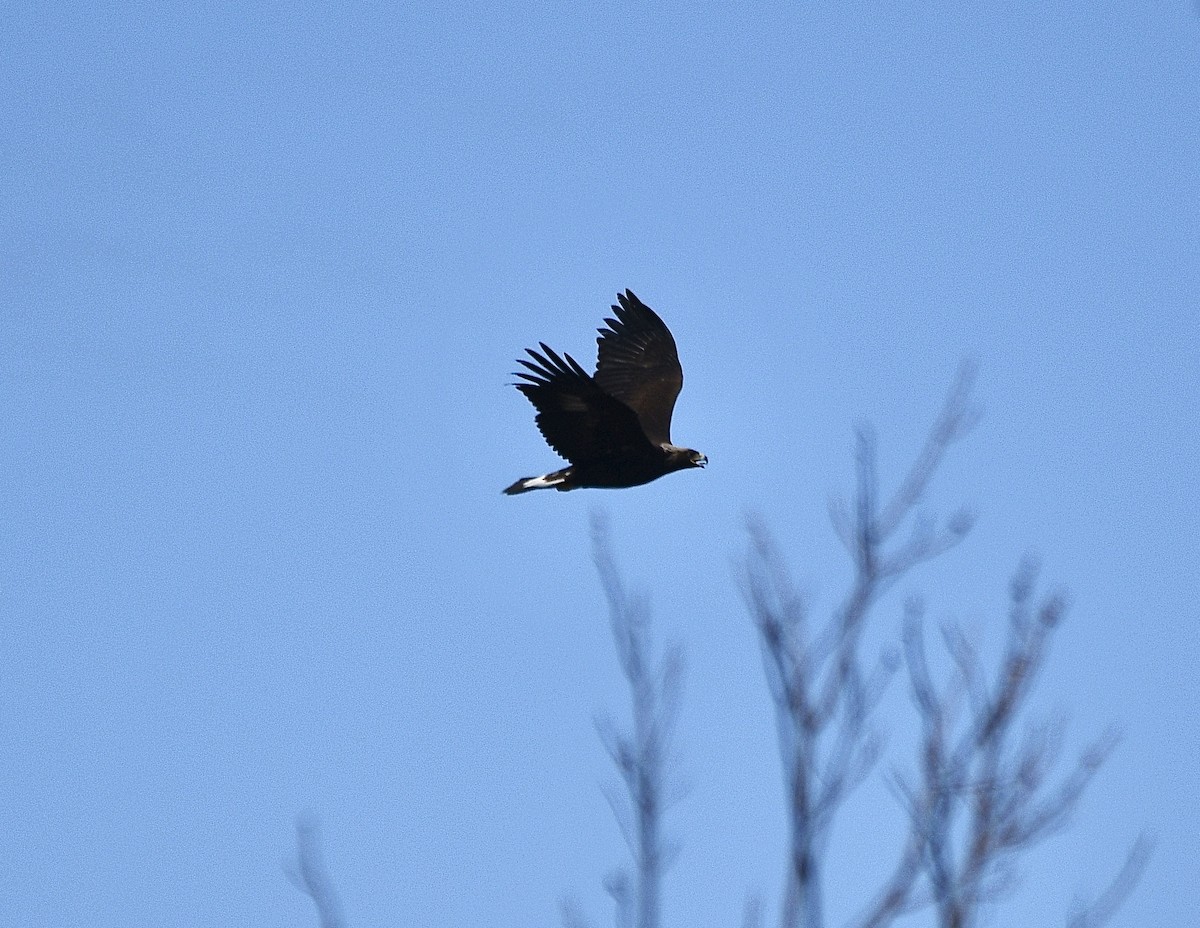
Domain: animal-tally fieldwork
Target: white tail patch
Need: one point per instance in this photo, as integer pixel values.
(538, 483)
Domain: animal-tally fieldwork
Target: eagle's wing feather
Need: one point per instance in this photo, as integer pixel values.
(638, 364)
(580, 421)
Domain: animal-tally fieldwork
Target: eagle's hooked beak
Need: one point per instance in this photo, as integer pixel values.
(701, 460)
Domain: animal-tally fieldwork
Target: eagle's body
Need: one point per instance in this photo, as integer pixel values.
(614, 426)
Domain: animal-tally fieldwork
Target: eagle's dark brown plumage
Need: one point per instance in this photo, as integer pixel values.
(615, 425)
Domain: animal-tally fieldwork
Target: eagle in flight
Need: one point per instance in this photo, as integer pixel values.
(615, 425)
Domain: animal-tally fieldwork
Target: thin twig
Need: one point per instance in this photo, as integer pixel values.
(310, 876)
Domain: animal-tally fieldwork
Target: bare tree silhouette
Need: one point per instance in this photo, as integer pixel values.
(982, 797)
(642, 755)
(974, 770)
(823, 693)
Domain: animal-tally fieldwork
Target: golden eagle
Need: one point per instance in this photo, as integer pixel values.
(615, 425)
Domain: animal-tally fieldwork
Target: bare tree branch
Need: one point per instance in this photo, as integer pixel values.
(310, 876)
(752, 913)
(1104, 906)
(642, 756)
(958, 416)
(570, 915)
(974, 772)
(824, 694)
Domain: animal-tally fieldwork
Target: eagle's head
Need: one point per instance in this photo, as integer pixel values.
(683, 458)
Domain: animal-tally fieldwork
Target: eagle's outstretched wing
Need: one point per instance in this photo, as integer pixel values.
(578, 419)
(638, 365)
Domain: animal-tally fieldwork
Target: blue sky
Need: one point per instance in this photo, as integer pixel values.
(264, 271)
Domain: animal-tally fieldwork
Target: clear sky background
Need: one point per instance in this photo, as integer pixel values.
(264, 269)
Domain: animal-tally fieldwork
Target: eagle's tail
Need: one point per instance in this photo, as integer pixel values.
(525, 484)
